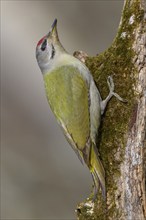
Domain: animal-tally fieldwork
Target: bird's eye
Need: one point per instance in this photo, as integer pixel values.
(44, 44)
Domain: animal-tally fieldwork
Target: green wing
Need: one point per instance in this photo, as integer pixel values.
(67, 93)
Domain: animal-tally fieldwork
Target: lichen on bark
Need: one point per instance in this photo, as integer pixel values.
(117, 61)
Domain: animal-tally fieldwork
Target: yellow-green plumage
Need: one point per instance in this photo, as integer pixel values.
(69, 98)
(74, 100)
(67, 94)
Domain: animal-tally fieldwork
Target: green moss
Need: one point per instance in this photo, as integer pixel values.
(116, 61)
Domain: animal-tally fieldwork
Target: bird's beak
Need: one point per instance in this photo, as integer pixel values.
(54, 25)
(53, 31)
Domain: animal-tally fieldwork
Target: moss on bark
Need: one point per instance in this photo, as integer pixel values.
(117, 61)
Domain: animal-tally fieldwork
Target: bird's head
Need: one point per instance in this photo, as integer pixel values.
(48, 48)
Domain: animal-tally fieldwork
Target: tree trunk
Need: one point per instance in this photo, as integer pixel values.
(121, 142)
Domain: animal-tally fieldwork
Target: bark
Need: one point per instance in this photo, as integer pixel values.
(121, 142)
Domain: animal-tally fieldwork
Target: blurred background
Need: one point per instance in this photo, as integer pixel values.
(41, 177)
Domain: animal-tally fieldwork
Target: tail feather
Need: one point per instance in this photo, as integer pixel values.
(96, 185)
(97, 171)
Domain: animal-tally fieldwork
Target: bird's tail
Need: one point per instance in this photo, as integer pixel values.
(97, 171)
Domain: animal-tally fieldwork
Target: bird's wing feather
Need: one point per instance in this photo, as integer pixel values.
(72, 143)
(68, 94)
(72, 99)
